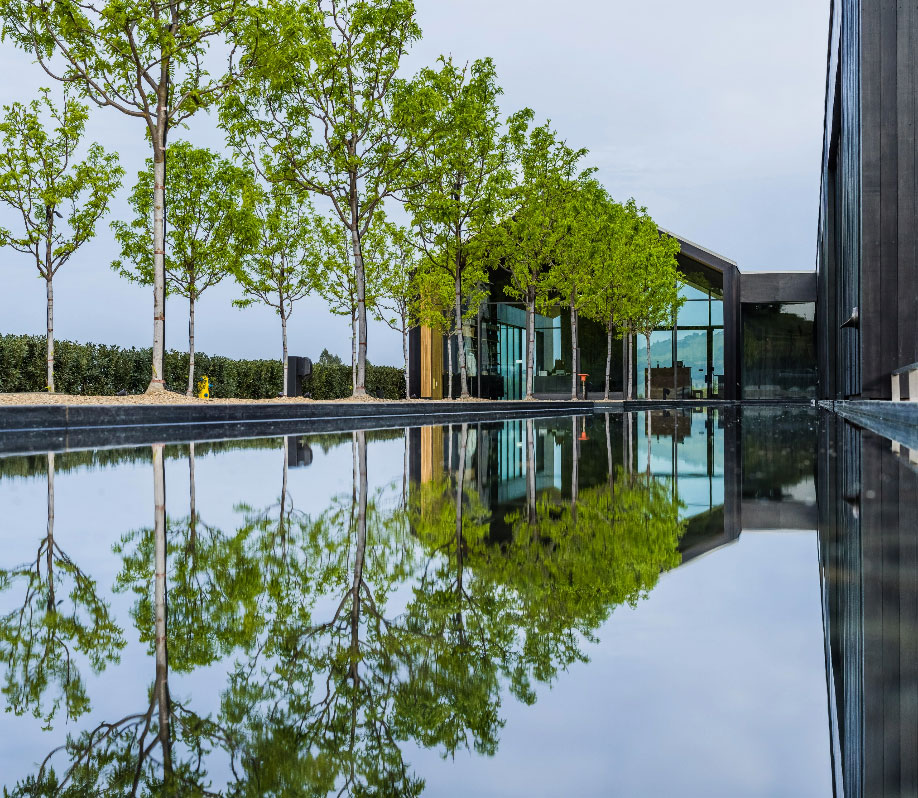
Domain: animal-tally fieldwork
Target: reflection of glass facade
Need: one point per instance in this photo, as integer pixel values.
(689, 448)
(779, 350)
(687, 362)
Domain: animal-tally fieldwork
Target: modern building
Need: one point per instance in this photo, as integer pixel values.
(868, 223)
(738, 336)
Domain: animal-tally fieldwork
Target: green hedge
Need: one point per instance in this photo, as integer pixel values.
(99, 370)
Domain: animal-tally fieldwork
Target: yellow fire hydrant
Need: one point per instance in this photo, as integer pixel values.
(204, 387)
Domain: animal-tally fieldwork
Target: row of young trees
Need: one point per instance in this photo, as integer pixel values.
(313, 105)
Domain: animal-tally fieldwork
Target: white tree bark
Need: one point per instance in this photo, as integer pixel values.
(283, 316)
(460, 336)
(574, 344)
(630, 364)
(530, 342)
(157, 382)
(405, 355)
(190, 390)
(608, 357)
(361, 283)
(50, 333)
(647, 338)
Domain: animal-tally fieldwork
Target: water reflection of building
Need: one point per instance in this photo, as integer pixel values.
(731, 469)
(868, 519)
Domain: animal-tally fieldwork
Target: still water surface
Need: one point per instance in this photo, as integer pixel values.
(675, 603)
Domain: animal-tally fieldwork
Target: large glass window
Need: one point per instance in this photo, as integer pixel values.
(779, 350)
(693, 367)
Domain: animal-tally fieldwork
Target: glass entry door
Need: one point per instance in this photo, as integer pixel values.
(512, 359)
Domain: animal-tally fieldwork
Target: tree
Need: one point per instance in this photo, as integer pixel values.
(397, 265)
(210, 227)
(39, 176)
(574, 272)
(143, 58)
(612, 274)
(325, 104)
(652, 292)
(459, 176)
(337, 281)
(282, 268)
(525, 243)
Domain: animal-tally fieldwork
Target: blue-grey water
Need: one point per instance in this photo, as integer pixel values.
(704, 602)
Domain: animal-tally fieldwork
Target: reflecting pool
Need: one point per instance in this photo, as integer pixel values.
(701, 602)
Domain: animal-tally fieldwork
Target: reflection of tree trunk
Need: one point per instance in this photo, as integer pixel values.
(530, 470)
(360, 553)
(405, 472)
(191, 495)
(609, 450)
(161, 686)
(630, 434)
(49, 543)
(649, 443)
(575, 469)
(460, 482)
(449, 447)
(281, 524)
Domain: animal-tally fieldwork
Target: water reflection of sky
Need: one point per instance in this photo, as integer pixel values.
(714, 684)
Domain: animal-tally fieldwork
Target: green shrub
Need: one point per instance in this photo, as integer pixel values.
(99, 370)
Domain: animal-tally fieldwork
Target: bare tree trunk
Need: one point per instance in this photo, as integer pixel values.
(190, 389)
(49, 541)
(157, 382)
(50, 333)
(449, 366)
(647, 339)
(161, 685)
(530, 470)
(283, 315)
(530, 342)
(608, 357)
(460, 336)
(574, 345)
(405, 354)
(630, 366)
(354, 354)
(361, 281)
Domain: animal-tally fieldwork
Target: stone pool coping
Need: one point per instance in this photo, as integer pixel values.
(57, 427)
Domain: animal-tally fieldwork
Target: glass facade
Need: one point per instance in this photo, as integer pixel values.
(496, 353)
(687, 362)
(779, 351)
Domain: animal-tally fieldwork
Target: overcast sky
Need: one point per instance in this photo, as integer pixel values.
(709, 113)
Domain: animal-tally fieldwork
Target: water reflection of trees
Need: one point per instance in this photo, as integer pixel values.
(378, 620)
(60, 619)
